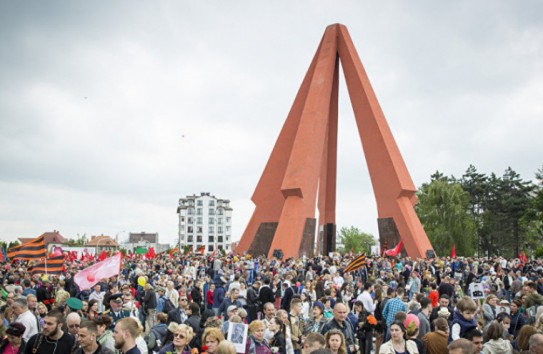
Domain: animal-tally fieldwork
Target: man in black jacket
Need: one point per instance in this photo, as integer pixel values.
(149, 306)
(196, 294)
(193, 311)
(252, 300)
(265, 294)
(178, 315)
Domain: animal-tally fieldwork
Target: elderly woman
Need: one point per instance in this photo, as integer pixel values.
(211, 339)
(256, 343)
(182, 335)
(14, 343)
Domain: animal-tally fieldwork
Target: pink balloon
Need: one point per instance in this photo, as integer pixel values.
(91, 278)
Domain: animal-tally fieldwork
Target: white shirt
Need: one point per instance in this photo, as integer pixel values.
(173, 295)
(367, 301)
(31, 324)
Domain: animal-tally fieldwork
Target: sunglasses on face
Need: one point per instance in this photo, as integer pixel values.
(179, 335)
(184, 299)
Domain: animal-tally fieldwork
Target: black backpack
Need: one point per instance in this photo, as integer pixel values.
(168, 305)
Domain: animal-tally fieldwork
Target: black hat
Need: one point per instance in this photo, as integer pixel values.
(116, 297)
(16, 329)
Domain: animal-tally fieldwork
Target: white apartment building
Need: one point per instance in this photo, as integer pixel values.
(205, 220)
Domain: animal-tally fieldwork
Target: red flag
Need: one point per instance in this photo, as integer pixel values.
(102, 270)
(394, 251)
(131, 255)
(201, 249)
(150, 253)
(102, 255)
(453, 251)
(524, 257)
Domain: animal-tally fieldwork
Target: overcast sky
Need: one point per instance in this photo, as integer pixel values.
(110, 111)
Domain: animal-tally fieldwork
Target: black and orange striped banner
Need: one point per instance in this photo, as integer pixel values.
(33, 250)
(53, 265)
(356, 264)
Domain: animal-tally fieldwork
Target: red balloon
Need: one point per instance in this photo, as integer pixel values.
(91, 278)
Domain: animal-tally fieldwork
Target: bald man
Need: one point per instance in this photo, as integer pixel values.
(340, 322)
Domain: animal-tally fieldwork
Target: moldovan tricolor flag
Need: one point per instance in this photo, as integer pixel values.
(89, 276)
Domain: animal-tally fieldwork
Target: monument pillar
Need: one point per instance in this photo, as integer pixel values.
(300, 175)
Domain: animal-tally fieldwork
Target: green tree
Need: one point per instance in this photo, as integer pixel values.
(443, 211)
(80, 240)
(476, 184)
(509, 200)
(355, 240)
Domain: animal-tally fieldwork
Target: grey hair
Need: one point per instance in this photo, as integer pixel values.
(21, 301)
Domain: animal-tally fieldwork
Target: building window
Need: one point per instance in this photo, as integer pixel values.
(211, 229)
(219, 238)
(228, 229)
(220, 211)
(210, 248)
(199, 229)
(191, 202)
(182, 228)
(182, 238)
(199, 238)
(190, 238)
(199, 203)
(211, 211)
(190, 211)
(227, 238)
(219, 229)
(228, 219)
(182, 219)
(191, 220)
(199, 220)
(190, 229)
(219, 221)
(210, 239)
(211, 203)
(199, 211)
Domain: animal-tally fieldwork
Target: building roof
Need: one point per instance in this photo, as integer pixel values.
(101, 241)
(50, 237)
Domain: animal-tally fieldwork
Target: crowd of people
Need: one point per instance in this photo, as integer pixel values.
(238, 304)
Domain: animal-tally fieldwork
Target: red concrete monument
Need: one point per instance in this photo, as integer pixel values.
(301, 170)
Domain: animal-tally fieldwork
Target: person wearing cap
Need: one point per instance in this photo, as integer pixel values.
(25, 317)
(74, 304)
(232, 311)
(14, 342)
(444, 303)
(318, 320)
(116, 312)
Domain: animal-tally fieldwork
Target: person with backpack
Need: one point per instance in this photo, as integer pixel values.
(155, 339)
